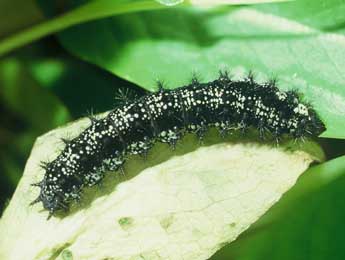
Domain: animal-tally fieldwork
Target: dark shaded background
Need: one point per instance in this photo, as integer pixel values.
(43, 87)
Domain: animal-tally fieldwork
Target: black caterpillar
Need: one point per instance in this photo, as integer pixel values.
(166, 116)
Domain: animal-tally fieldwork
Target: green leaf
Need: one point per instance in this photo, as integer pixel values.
(216, 2)
(172, 44)
(91, 10)
(169, 2)
(22, 95)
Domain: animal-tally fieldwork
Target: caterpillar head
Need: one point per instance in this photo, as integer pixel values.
(56, 189)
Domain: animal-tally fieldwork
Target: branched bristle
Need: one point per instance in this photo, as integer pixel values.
(65, 141)
(172, 144)
(44, 165)
(92, 119)
(51, 213)
(123, 96)
(195, 79)
(38, 199)
(37, 184)
(90, 115)
(224, 75)
(63, 206)
(144, 154)
(122, 171)
(273, 82)
(251, 76)
(160, 85)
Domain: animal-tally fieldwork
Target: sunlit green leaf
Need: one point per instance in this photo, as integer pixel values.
(170, 45)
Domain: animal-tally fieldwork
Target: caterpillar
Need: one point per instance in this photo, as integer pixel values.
(165, 116)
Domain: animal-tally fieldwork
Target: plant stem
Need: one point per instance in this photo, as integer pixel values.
(88, 12)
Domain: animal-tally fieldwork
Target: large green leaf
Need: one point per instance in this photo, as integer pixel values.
(172, 44)
(22, 95)
(83, 11)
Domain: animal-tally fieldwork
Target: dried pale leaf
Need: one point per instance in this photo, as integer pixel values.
(175, 205)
